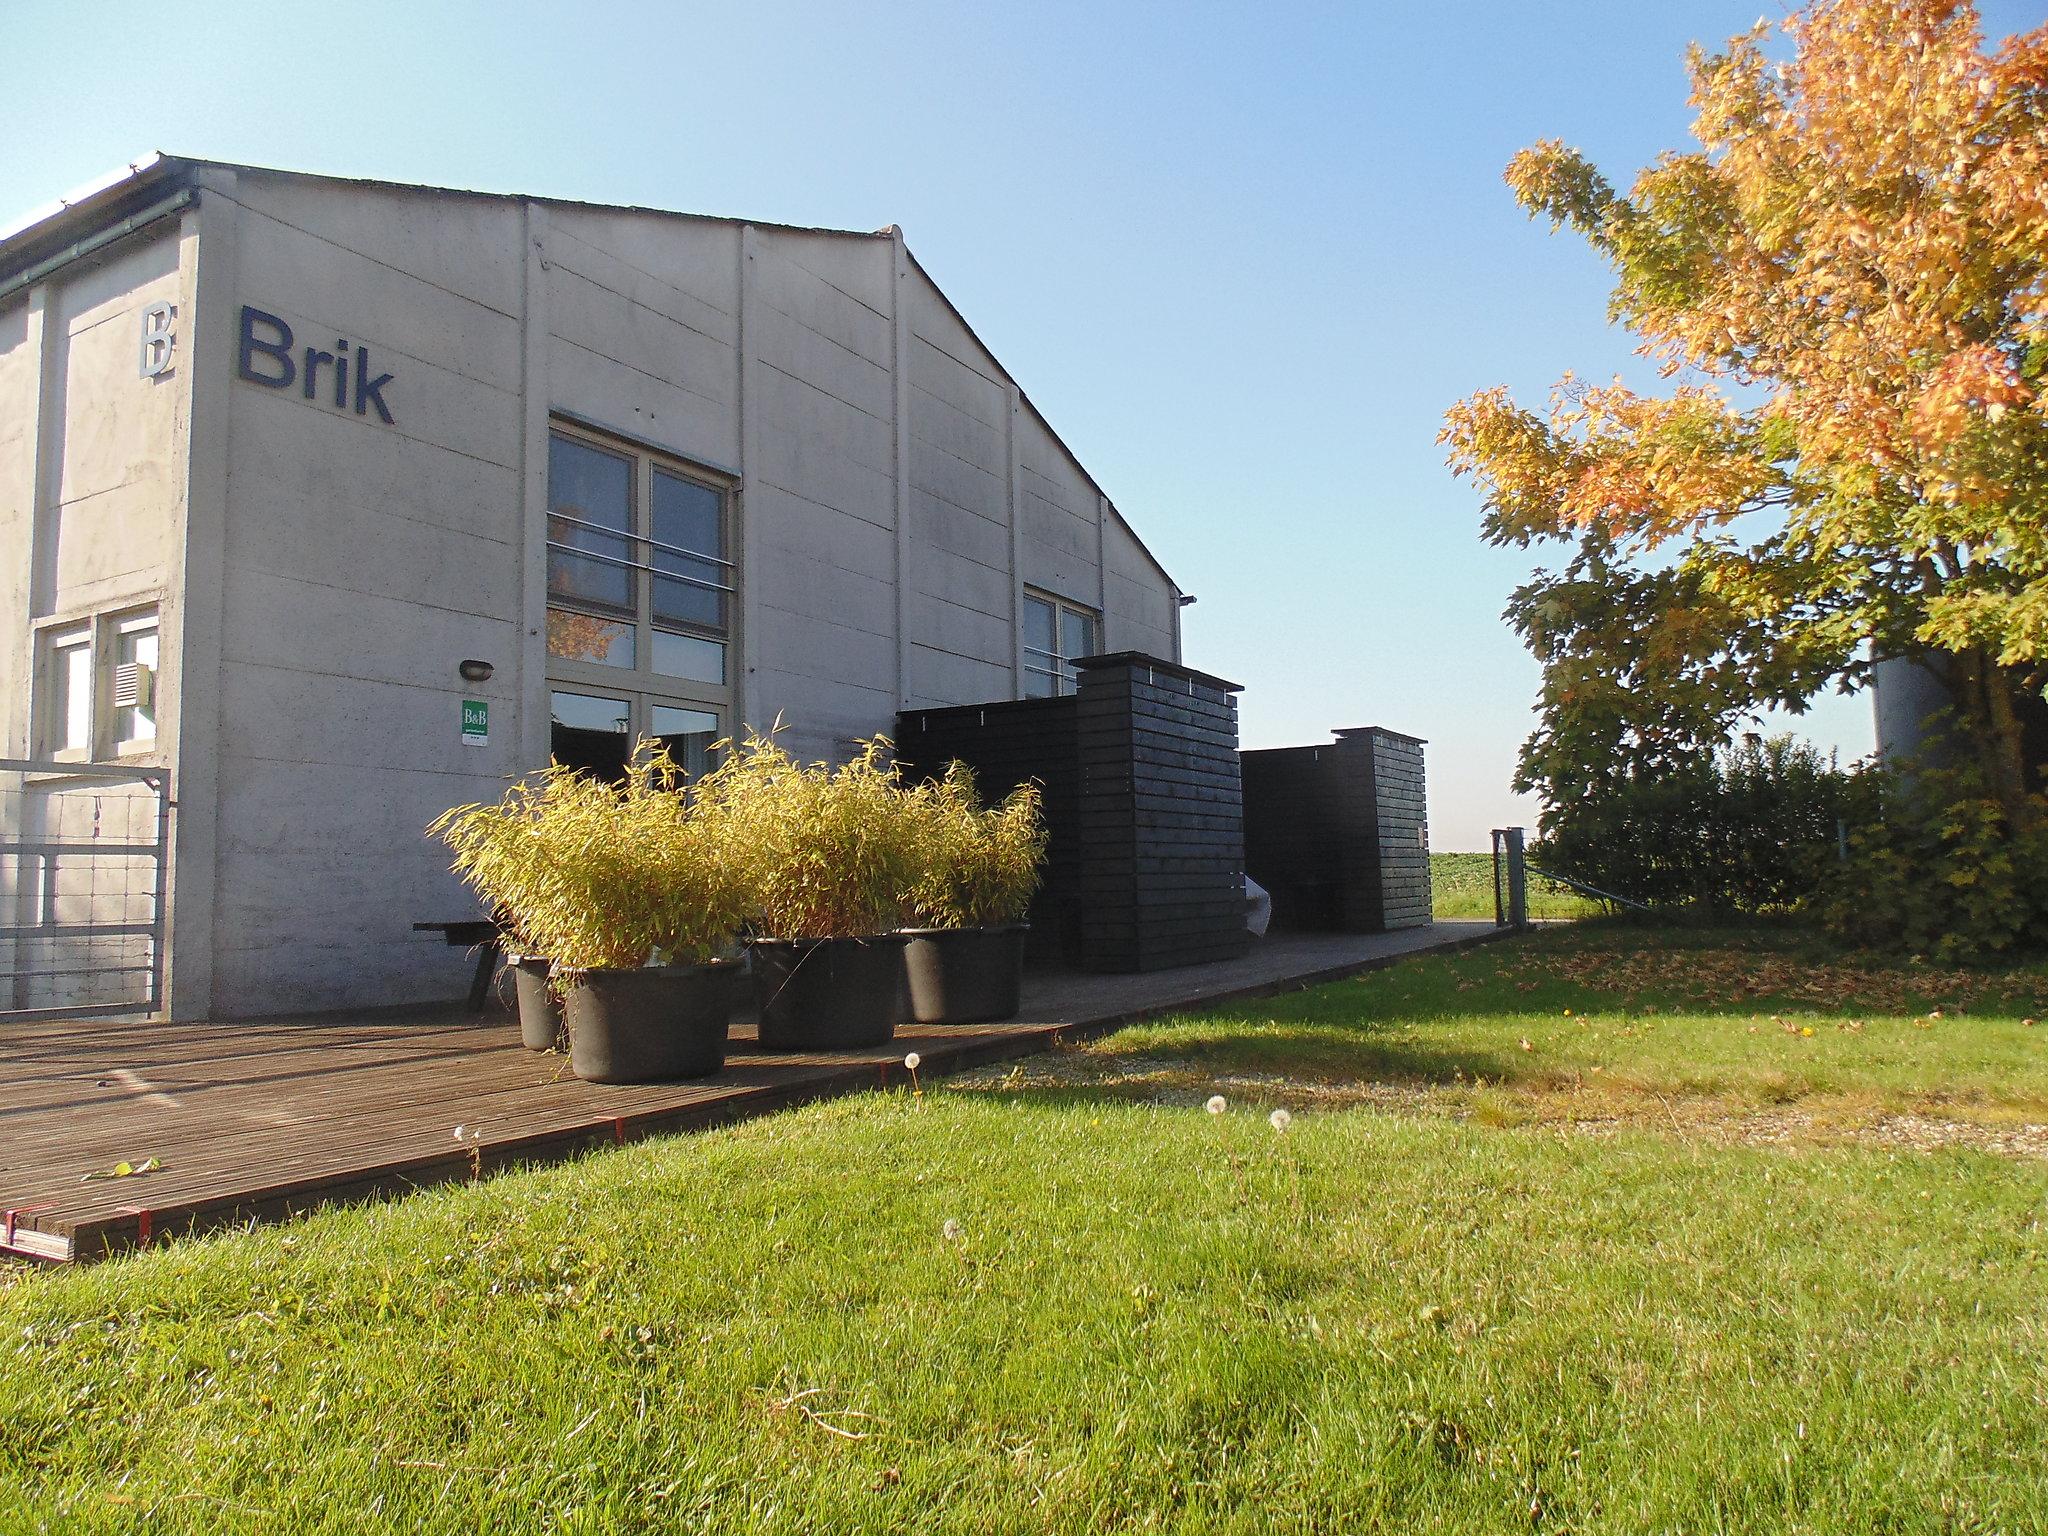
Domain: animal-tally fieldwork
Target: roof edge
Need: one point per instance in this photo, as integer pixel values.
(1051, 431)
(104, 199)
(384, 184)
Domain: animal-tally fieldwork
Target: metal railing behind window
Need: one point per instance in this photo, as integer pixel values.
(83, 888)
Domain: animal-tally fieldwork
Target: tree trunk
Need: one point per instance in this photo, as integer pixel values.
(1991, 720)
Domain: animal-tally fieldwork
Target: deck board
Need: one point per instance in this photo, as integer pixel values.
(258, 1120)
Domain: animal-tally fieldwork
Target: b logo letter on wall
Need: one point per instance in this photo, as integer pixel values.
(159, 338)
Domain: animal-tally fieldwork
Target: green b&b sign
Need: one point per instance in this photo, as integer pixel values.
(476, 723)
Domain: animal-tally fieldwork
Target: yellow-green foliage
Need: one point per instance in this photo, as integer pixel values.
(980, 866)
(827, 852)
(603, 876)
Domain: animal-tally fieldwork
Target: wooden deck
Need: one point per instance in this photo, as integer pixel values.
(256, 1121)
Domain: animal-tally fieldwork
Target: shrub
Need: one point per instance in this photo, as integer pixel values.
(1942, 870)
(825, 852)
(980, 865)
(595, 875)
(1751, 831)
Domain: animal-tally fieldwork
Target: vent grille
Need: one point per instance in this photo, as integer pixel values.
(134, 686)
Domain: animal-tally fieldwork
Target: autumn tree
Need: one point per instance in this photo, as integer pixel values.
(1846, 286)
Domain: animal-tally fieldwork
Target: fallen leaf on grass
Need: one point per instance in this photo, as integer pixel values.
(124, 1170)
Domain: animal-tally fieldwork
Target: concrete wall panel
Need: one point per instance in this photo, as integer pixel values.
(691, 285)
(469, 246)
(108, 436)
(20, 385)
(940, 677)
(337, 287)
(697, 257)
(590, 384)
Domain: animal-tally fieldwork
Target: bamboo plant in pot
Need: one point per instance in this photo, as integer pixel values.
(492, 844)
(965, 959)
(831, 854)
(635, 899)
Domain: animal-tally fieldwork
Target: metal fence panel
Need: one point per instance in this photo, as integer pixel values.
(83, 893)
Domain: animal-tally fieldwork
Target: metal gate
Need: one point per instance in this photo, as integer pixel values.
(83, 892)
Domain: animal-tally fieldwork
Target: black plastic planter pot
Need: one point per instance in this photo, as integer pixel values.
(828, 994)
(540, 1011)
(650, 1025)
(965, 975)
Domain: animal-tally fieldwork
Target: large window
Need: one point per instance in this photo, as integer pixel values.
(640, 593)
(97, 687)
(1056, 634)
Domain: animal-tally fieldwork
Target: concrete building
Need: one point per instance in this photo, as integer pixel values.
(344, 502)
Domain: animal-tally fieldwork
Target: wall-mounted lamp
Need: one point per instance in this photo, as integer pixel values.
(476, 671)
(1187, 599)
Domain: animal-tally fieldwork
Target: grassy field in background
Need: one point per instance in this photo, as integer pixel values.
(1461, 886)
(1541, 1282)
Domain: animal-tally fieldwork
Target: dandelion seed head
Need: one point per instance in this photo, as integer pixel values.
(1218, 1104)
(950, 1231)
(913, 1061)
(1280, 1119)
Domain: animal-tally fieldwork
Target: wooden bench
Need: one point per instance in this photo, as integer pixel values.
(483, 934)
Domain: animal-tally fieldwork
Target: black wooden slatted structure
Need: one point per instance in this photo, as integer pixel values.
(1145, 864)
(1162, 815)
(1339, 834)
(1008, 743)
(1397, 894)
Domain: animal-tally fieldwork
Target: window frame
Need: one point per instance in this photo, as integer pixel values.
(111, 628)
(51, 639)
(1065, 680)
(99, 635)
(641, 685)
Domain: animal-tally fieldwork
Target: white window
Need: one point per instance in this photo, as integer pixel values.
(133, 685)
(640, 601)
(67, 700)
(1056, 634)
(98, 683)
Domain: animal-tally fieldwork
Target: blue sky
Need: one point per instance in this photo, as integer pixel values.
(1242, 257)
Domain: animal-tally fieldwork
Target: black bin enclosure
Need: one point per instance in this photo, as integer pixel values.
(1143, 800)
(1339, 834)
(1007, 743)
(1162, 816)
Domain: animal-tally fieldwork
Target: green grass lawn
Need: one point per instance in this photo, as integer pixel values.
(1461, 886)
(1610, 1019)
(1068, 1299)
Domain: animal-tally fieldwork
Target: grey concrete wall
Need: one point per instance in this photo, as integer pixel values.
(819, 489)
(894, 493)
(361, 562)
(21, 365)
(92, 456)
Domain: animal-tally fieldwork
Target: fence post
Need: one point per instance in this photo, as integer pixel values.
(1518, 880)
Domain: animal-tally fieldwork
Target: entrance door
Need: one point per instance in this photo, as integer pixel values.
(595, 732)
